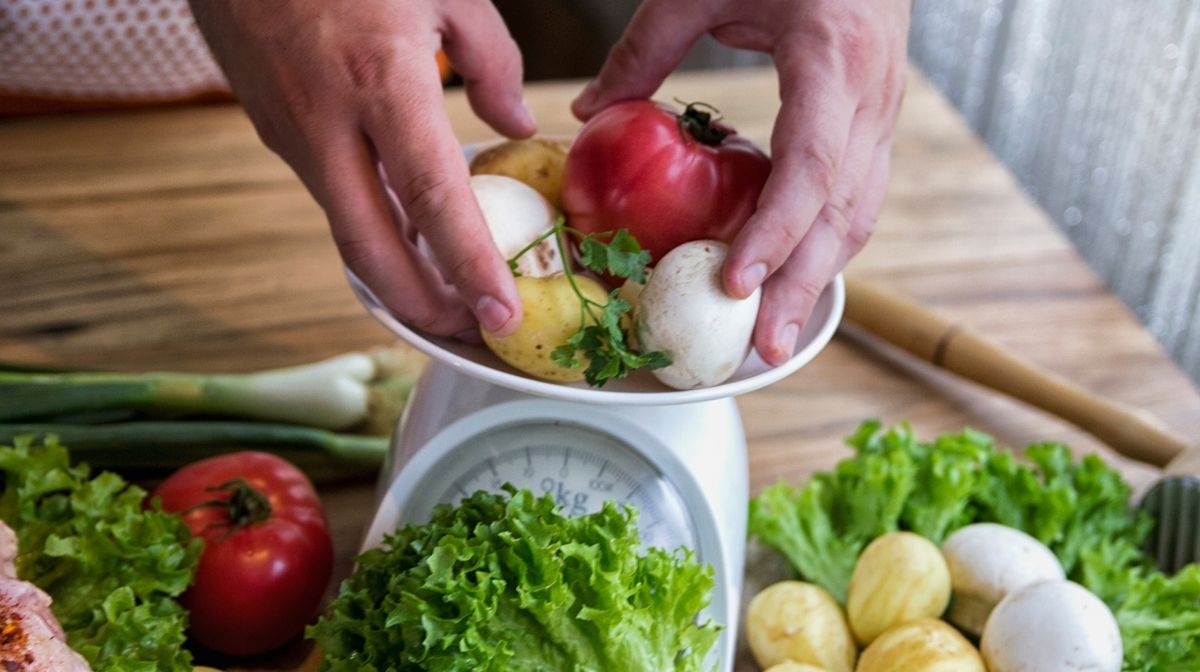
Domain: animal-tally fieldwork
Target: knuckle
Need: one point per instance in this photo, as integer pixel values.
(820, 161)
(301, 103)
(858, 43)
(837, 214)
(859, 235)
(467, 262)
(783, 235)
(806, 290)
(848, 43)
(425, 319)
(423, 193)
(369, 66)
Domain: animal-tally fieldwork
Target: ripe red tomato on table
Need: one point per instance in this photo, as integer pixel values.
(668, 177)
(267, 553)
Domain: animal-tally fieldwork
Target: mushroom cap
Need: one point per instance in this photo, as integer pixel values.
(516, 214)
(1050, 627)
(685, 312)
(988, 561)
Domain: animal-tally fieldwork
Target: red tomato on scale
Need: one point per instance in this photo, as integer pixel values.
(669, 178)
(267, 554)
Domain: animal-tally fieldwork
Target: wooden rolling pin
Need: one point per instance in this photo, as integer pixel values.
(954, 347)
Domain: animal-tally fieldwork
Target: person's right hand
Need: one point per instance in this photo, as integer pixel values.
(335, 87)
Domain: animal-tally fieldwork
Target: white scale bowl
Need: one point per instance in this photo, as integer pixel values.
(641, 387)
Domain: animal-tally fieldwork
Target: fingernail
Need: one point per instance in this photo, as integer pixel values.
(787, 342)
(587, 97)
(492, 314)
(470, 336)
(753, 276)
(528, 114)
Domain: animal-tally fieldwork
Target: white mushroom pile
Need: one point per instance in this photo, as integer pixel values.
(988, 561)
(1011, 589)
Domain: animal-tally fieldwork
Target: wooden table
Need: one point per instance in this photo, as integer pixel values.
(174, 240)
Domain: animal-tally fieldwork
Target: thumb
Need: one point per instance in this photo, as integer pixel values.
(655, 42)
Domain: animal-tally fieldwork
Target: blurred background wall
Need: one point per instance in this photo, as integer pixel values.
(1093, 104)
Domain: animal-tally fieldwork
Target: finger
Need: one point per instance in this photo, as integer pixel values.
(655, 42)
(866, 215)
(807, 146)
(369, 240)
(425, 167)
(789, 296)
(477, 43)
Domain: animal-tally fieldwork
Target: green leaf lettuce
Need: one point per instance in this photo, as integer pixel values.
(509, 583)
(112, 567)
(1079, 508)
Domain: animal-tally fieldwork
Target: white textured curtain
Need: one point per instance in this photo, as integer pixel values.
(1095, 106)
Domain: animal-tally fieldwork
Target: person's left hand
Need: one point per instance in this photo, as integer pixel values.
(841, 67)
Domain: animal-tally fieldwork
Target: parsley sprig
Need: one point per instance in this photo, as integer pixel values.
(602, 339)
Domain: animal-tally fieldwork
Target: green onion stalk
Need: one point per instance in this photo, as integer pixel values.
(360, 391)
(156, 445)
(332, 418)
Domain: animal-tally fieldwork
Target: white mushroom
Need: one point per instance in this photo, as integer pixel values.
(516, 214)
(1052, 626)
(685, 312)
(988, 561)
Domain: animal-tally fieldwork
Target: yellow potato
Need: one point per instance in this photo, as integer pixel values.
(923, 645)
(551, 317)
(793, 667)
(898, 578)
(793, 621)
(537, 162)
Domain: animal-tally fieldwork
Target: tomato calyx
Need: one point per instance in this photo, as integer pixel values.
(698, 122)
(243, 507)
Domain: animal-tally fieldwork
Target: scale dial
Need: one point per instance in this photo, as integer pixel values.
(581, 467)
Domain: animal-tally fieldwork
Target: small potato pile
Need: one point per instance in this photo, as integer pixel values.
(679, 323)
(998, 582)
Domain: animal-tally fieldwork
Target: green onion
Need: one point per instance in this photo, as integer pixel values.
(339, 393)
(166, 444)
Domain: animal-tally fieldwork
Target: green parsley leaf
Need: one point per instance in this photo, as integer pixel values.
(564, 356)
(622, 256)
(603, 339)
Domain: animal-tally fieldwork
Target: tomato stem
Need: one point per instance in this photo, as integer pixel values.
(697, 120)
(244, 506)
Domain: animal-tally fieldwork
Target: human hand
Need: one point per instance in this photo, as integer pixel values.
(841, 78)
(347, 93)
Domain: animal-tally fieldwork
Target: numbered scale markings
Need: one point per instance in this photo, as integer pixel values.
(580, 467)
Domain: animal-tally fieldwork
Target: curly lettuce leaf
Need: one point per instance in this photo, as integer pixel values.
(508, 582)
(1079, 508)
(112, 567)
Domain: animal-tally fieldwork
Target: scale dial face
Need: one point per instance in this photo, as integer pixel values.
(580, 466)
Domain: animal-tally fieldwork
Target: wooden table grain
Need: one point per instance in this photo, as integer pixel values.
(171, 239)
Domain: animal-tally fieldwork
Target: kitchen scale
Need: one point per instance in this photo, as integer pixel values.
(677, 456)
